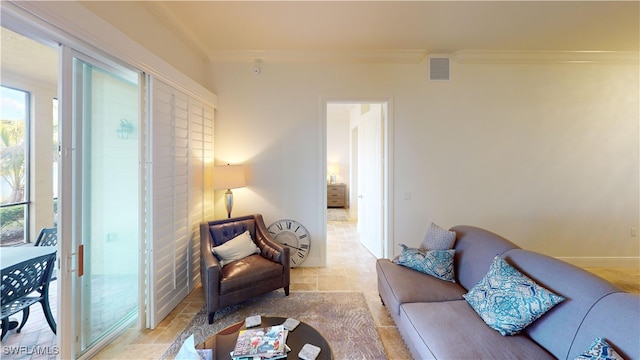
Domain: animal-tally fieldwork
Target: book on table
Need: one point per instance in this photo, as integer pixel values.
(267, 342)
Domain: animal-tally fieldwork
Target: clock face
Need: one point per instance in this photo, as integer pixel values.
(293, 235)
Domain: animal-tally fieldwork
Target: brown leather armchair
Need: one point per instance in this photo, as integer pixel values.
(242, 279)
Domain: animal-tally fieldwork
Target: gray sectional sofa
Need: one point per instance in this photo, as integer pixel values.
(436, 322)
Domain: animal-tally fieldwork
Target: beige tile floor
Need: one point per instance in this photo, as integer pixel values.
(349, 268)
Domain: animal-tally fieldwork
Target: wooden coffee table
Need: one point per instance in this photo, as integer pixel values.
(224, 341)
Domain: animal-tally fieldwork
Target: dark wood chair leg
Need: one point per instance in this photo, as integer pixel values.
(286, 291)
(211, 315)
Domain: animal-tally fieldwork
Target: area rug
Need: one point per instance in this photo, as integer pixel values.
(337, 215)
(343, 319)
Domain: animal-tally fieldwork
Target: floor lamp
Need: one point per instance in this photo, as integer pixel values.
(229, 177)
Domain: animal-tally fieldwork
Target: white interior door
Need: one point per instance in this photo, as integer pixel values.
(370, 176)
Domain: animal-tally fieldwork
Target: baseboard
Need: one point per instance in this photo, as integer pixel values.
(606, 262)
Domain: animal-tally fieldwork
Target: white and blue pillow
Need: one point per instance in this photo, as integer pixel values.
(437, 263)
(600, 350)
(507, 300)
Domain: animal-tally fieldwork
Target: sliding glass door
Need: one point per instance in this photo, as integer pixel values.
(104, 170)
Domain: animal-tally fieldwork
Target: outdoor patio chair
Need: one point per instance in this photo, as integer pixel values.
(47, 237)
(23, 285)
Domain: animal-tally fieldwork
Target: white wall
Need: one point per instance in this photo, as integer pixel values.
(132, 18)
(546, 155)
(338, 140)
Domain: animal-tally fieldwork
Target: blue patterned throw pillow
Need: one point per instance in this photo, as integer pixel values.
(507, 300)
(437, 263)
(600, 350)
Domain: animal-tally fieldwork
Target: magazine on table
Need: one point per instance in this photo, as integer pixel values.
(283, 356)
(268, 342)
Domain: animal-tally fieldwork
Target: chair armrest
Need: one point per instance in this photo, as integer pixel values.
(210, 269)
(271, 249)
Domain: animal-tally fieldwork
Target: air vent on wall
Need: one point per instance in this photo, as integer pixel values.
(439, 68)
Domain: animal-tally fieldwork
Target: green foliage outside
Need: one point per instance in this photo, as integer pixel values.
(11, 214)
(12, 159)
(13, 172)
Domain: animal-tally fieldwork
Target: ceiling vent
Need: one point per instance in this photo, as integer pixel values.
(439, 68)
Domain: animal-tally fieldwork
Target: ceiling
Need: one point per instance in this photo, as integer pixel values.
(27, 59)
(218, 30)
(215, 28)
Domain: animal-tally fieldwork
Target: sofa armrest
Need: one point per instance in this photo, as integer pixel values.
(210, 269)
(271, 249)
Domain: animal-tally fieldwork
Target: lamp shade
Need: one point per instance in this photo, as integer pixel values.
(229, 177)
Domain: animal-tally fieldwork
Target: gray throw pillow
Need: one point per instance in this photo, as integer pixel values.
(438, 238)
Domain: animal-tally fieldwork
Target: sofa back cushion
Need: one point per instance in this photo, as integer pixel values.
(556, 329)
(223, 232)
(475, 250)
(616, 319)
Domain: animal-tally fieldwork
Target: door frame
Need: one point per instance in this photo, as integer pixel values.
(387, 163)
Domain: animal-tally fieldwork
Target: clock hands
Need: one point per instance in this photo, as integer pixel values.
(291, 246)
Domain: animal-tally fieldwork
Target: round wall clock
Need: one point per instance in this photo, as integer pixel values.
(293, 235)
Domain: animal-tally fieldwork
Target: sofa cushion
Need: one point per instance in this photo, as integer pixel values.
(556, 330)
(599, 350)
(247, 272)
(616, 318)
(475, 250)
(438, 238)
(398, 284)
(437, 263)
(235, 249)
(452, 330)
(507, 300)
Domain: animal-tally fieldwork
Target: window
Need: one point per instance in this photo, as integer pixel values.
(14, 166)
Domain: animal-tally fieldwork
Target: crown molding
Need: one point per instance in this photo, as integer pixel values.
(546, 57)
(416, 56)
(320, 56)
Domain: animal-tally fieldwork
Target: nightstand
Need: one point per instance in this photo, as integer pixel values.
(337, 195)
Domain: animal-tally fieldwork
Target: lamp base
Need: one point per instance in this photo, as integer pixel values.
(228, 202)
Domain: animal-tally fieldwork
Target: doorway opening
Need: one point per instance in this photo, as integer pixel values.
(357, 165)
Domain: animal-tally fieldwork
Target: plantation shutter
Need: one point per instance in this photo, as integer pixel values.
(181, 131)
(201, 149)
